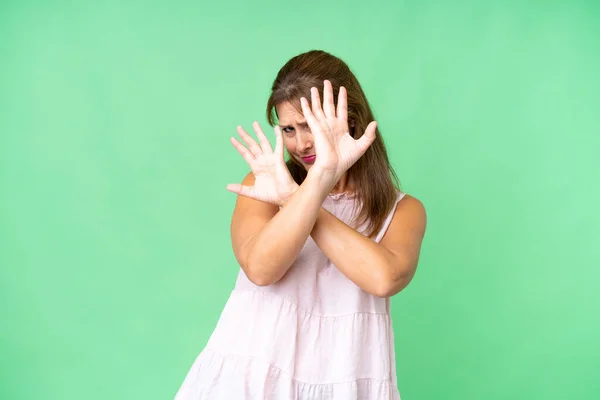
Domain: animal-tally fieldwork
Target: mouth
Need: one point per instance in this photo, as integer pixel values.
(309, 159)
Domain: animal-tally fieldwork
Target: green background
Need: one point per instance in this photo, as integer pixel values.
(114, 156)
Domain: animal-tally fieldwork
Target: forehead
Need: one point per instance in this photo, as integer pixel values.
(288, 114)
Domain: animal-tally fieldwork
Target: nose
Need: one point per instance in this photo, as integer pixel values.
(304, 141)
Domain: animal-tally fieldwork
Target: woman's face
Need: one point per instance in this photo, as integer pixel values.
(297, 137)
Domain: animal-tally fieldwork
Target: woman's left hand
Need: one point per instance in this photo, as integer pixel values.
(336, 150)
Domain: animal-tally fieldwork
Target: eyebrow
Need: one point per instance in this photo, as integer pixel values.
(290, 125)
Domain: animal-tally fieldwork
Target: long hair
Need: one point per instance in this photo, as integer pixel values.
(374, 178)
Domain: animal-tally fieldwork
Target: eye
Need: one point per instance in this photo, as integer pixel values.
(288, 130)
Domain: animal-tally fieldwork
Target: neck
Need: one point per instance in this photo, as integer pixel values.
(345, 184)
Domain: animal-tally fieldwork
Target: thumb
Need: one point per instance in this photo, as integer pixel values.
(368, 137)
(240, 189)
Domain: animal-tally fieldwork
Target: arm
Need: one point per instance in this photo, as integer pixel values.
(267, 241)
(382, 269)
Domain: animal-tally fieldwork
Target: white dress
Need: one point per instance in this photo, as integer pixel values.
(313, 335)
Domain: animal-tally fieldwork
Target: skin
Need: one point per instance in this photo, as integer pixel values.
(299, 142)
(274, 216)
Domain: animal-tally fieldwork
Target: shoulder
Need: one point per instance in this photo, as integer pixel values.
(410, 202)
(411, 207)
(410, 218)
(249, 179)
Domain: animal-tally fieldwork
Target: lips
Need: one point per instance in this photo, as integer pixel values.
(309, 159)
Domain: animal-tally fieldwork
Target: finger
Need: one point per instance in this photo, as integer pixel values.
(278, 142)
(264, 142)
(306, 111)
(248, 156)
(251, 143)
(368, 137)
(242, 190)
(315, 101)
(328, 106)
(342, 105)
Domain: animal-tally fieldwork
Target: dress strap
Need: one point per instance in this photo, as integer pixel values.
(388, 219)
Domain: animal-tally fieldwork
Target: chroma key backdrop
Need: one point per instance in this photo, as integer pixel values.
(115, 119)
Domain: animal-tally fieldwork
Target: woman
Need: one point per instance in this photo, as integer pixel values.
(323, 242)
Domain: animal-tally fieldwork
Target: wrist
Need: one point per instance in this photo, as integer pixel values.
(291, 192)
(324, 180)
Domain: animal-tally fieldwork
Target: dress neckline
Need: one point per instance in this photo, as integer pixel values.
(342, 195)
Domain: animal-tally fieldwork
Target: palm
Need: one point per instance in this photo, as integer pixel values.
(273, 182)
(336, 150)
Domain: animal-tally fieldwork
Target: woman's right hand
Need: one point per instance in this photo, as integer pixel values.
(273, 183)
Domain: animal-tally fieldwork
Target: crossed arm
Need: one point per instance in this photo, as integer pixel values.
(266, 240)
